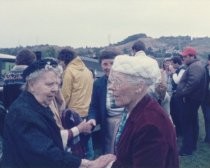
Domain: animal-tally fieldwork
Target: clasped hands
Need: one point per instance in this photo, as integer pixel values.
(86, 126)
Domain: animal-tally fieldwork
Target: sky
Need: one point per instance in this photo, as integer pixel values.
(96, 23)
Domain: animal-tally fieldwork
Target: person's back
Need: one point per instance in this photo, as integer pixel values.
(159, 92)
(13, 80)
(81, 86)
(77, 82)
(77, 85)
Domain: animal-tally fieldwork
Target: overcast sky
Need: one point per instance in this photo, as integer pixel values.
(81, 23)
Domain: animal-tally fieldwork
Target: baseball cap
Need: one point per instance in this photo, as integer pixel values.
(189, 51)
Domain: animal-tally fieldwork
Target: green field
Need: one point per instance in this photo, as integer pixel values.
(200, 158)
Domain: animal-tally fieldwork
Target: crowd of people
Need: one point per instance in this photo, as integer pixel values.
(53, 106)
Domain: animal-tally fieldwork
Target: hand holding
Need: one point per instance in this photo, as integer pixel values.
(102, 161)
(84, 127)
(92, 122)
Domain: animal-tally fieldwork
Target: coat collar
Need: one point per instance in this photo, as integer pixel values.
(76, 63)
(192, 61)
(36, 105)
(140, 54)
(140, 106)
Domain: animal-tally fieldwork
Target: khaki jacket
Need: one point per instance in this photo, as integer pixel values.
(77, 86)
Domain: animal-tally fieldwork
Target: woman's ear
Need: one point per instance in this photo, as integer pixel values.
(140, 86)
(30, 85)
(138, 91)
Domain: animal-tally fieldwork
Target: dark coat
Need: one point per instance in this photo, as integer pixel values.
(193, 82)
(97, 108)
(32, 139)
(148, 139)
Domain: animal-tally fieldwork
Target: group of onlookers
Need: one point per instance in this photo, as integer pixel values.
(53, 105)
(189, 80)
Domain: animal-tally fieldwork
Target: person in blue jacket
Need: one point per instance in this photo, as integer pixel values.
(102, 109)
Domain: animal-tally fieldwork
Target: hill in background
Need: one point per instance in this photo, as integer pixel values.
(166, 46)
(158, 47)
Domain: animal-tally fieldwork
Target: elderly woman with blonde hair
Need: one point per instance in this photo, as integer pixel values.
(146, 137)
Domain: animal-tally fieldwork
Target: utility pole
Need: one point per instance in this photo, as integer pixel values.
(109, 39)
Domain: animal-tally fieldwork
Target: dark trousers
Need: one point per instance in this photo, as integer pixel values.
(190, 127)
(206, 114)
(176, 110)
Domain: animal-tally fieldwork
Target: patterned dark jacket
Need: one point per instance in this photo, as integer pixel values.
(12, 85)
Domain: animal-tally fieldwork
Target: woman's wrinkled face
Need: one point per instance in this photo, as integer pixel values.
(124, 91)
(45, 87)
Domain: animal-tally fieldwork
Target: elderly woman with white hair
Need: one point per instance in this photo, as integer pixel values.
(31, 135)
(146, 137)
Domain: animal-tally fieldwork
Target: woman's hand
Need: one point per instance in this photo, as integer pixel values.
(84, 127)
(102, 161)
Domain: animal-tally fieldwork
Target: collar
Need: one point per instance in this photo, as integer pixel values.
(28, 97)
(140, 53)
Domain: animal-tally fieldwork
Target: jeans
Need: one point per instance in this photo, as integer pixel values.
(89, 149)
(190, 127)
(176, 110)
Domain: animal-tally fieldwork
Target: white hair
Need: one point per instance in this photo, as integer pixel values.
(35, 75)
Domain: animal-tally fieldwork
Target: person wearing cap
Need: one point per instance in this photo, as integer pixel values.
(191, 89)
(31, 135)
(145, 137)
